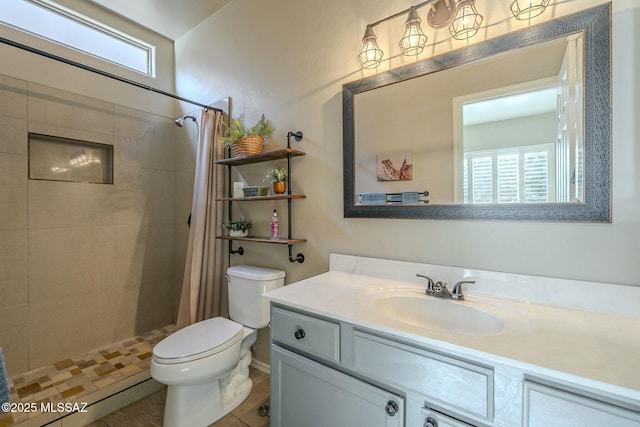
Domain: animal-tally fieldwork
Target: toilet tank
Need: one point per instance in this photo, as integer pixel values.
(247, 283)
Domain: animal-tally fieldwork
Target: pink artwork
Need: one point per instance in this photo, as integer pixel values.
(395, 167)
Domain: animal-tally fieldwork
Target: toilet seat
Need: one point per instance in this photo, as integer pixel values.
(197, 341)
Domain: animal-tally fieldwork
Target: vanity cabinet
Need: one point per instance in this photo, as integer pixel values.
(546, 406)
(330, 373)
(559, 363)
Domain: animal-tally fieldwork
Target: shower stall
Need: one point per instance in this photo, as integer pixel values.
(83, 264)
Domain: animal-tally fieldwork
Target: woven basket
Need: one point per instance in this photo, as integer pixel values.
(247, 146)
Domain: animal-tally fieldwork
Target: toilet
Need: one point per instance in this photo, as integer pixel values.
(206, 365)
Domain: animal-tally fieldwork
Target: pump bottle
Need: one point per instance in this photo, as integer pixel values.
(274, 225)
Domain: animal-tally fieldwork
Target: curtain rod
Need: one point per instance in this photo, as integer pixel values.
(103, 73)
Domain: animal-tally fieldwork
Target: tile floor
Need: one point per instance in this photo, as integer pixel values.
(148, 411)
(81, 378)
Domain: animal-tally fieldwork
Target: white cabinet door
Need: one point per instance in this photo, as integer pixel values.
(306, 393)
(550, 407)
(459, 386)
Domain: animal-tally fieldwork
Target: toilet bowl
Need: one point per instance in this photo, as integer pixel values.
(206, 365)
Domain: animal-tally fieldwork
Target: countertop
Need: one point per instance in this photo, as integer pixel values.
(598, 350)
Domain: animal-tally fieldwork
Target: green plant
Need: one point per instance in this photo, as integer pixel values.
(239, 225)
(276, 175)
(238, 130)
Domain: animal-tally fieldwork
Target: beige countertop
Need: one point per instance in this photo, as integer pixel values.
(599, 350)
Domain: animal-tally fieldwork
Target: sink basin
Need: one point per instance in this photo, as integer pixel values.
(469, 317)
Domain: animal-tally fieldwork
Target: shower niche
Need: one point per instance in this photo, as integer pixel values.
(54, 158)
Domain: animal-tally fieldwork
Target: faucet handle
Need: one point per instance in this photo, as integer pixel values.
(430, 284)
(456, 293)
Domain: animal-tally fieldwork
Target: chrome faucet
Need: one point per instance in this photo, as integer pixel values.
(436, 289)
(457, 290)
(430, 284)
(439, 289)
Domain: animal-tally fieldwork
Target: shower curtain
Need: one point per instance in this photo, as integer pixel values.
(203, 294)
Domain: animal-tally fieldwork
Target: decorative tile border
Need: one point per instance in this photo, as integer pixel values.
(74, 380)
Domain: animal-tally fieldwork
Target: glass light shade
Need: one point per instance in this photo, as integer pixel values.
(371, 55)
(467, 22)
(413, 40)
(527, 9)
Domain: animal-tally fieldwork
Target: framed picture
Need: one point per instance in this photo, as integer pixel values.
(395, 166)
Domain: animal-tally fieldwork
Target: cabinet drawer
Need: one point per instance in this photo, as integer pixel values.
(435, 419)
(314, 336)
(452, 384)
(550, 407)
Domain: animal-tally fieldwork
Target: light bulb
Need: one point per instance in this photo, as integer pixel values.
(413, 40)
(371, 55)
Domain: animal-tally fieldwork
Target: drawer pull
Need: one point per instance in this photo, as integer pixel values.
(430, 422)
(392, 408)
(299, 334)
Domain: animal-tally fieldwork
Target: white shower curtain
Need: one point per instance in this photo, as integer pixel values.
(203, 294)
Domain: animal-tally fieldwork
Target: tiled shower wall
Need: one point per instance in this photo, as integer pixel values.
(84, 265)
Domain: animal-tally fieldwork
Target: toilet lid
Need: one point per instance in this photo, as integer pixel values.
(199, 340)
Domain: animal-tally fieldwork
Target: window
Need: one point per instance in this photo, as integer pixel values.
(50, 21)
(511, 175)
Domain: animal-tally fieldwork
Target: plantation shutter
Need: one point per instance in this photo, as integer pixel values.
(514, 175)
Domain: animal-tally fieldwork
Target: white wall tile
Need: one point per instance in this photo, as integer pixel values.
(67, 263)
(14, 338)
(13, 115)
(13, 191)
(58, 113)
(13, 268)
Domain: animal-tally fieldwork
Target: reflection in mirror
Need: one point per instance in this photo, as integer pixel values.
(523, 143)
(505, 133)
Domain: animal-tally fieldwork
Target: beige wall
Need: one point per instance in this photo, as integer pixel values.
(289, 59)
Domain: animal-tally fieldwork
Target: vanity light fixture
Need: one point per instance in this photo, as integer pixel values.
(467, 22)
(461, 16)
(371, 55)
(527, 9)
(413, 40)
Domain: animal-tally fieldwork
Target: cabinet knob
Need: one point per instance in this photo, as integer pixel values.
(430, 422)
(392, 408)
(299, 334)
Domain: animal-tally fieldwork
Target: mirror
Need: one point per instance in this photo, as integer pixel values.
(513, 128)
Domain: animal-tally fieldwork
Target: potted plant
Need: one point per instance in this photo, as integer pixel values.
(278, 177)
(245, 140)
(239, 228)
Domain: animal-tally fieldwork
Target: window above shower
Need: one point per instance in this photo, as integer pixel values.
(50, 21)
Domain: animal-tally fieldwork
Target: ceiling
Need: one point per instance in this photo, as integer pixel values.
(170, 18)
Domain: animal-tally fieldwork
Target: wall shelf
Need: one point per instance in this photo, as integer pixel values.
(284, 153)
(265, 239)
(259, 198)
(262, 157)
